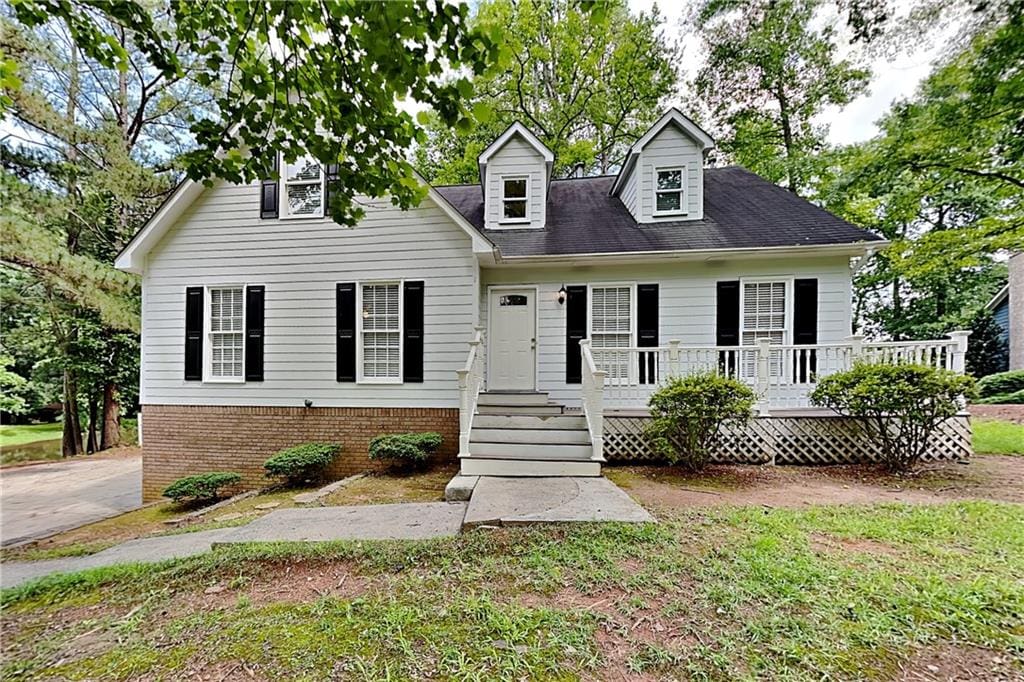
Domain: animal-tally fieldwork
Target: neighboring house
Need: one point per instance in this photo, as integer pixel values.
(1007, 308)
(265, 324)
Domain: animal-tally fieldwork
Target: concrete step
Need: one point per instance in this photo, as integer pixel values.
(484, 466)
(528, 421)
(512, 398)
(533, 436)
(548, 409)
(531, 451)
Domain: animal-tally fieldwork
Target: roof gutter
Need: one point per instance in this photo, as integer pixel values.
(853, 249)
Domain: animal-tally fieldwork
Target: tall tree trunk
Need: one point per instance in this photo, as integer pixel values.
(787, 138)
(897, 307)
(111, 436)
(94, 409)
(71, 443)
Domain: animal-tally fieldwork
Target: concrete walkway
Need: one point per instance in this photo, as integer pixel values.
(510, 501)
(495, 501)
(42, 499)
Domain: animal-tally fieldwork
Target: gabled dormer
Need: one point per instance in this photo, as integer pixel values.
(662, 176)
(515, 171)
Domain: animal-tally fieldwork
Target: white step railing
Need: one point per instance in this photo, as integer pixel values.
(782, 375)
(592, 386)
(471, 382)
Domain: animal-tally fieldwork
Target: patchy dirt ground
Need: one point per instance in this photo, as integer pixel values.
(953, 662)
(990, 477)
(1010, 413)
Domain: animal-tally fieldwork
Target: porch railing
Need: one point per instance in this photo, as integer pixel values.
(471, 382)
(592, 386)
(782, 375)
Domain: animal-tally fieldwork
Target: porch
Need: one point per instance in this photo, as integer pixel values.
(609, 422)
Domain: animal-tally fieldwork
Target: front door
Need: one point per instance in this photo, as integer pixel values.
(512, 360)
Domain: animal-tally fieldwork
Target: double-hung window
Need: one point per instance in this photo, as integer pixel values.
(303, 189)
(611, 327)
(381, 332)
(763, 315)
(225, 339)
(668, 191)
(515, 199)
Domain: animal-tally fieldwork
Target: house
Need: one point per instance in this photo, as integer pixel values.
(1007, 308)
(265, 324)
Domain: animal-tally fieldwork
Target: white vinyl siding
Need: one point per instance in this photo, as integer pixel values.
(671, 149)
(516, 159)
(686, 292)
(380, 333)
(225, 339)
(221, 241)
(302, 195)
(611, 326)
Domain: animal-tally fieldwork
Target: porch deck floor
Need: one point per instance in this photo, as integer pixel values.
(499, 500)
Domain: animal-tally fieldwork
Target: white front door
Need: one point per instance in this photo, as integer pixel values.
(512, 356)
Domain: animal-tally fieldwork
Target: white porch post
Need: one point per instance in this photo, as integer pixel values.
(763, 354)
(673, 358)
(856, 342)
(959, 356)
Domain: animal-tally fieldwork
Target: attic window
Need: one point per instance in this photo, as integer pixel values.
(514, 199)
(303, 195)
(668, 191)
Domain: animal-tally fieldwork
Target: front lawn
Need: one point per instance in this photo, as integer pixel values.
(716, 593)
(21, 434)
(997, 437)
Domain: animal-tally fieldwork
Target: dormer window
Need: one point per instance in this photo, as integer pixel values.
(668, 191)
(515, 198)
(303, 189)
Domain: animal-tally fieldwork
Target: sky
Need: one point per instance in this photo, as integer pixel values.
(894, 77)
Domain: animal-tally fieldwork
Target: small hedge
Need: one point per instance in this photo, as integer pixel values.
(1015, 398)
(202, 487)
(1003, 384)
(899, 405)
(405, 449)
(302, 463)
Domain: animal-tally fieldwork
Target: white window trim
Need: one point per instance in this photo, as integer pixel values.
(360, 379)
(502, 220)
(282, 208)
(631, 369)
(208, 377)
(682, 190)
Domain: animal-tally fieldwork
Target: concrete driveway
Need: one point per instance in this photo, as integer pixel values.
(43, 499)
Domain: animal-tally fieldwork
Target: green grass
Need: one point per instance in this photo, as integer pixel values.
(997, 437)
(29, 433)
(717, 594)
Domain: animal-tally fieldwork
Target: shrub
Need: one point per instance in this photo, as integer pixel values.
(900, 405)
(202, 487)
(1015, 398)
(405, 449)
(690, 412)
(302, 463)
(1004, 383)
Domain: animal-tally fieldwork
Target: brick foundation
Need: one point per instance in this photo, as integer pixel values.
(183, 440)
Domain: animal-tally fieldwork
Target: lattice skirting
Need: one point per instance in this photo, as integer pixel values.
(820, 439)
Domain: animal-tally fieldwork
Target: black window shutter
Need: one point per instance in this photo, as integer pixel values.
(727, 325)
(269, 188)
(194, 334)
(346, 324)
(330, 176)
(575, 331)
(412, 332)
(254, 333)
(647, 330)
(805, 327)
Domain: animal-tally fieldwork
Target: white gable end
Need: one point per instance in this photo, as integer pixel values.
(669, 152)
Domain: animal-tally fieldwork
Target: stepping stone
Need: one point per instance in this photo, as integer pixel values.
(460, 488)
(229, 517)
(267, 505)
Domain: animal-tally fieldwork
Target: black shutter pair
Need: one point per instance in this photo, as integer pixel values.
(576, 331)
(412, 332)
(195, 314)
(805, 324)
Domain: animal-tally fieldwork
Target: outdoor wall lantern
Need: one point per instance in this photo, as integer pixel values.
(562, 295)
(308, 402)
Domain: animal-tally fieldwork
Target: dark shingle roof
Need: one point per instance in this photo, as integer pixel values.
(741, 210)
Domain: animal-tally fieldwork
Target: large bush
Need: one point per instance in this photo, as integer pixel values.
(900, 405)
(1001, 387)
(690, 412)
(409, 450)
(201, 487)
(302, 463)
